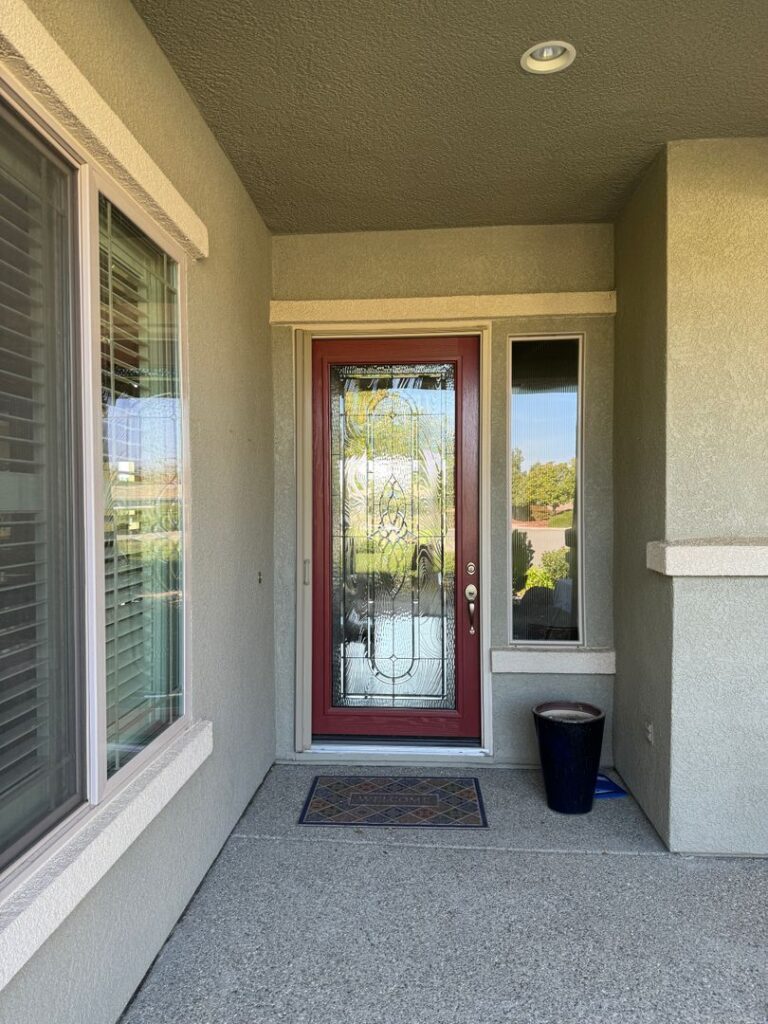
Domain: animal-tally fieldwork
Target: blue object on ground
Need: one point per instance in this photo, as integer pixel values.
(607, 789)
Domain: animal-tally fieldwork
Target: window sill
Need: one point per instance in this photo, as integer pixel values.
(548, 661)
(36, 907)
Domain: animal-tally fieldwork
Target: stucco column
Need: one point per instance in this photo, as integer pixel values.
(692, 465)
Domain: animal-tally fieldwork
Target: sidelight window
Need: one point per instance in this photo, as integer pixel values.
(544, 498)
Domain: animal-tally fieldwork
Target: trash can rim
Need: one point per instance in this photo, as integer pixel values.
(595, 713)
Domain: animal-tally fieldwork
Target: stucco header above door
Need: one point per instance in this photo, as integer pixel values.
(441, 307)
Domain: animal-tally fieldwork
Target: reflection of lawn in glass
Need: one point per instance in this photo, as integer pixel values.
(381, 562)
(561, 519)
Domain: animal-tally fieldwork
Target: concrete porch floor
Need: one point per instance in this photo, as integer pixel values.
(540, 919)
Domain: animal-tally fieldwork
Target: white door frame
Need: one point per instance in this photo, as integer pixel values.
(303, 336)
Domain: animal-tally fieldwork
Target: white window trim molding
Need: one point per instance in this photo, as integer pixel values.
(41, 66)
(302, 341)
(36, 907)
(93, 184)
(709, 557)
(303, 313)
(552, 661)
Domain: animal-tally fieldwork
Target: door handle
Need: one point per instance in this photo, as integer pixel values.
(470, 593)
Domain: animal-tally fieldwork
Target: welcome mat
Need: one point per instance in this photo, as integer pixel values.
(411, 801)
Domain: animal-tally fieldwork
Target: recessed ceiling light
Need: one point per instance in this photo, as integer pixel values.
(546, 58)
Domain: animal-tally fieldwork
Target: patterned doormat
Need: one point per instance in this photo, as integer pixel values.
(395, 800)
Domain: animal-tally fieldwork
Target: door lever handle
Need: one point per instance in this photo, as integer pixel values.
(470, 593)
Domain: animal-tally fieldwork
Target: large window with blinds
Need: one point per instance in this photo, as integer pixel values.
(41, 694)
(142, 432)
(91, 563)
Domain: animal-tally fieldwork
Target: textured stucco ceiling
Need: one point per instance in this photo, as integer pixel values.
(344, 115)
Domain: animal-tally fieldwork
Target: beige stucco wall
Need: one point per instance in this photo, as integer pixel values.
(446, 261)
(717, 483)
(690, 463)
(642, 600)
(115, 933)
(719, 782)
(717, 470)
(465, 261)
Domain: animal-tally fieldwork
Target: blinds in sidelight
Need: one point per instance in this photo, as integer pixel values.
(40, 721)
(142, 485)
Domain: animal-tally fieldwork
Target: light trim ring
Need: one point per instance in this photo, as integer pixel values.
(564, 54)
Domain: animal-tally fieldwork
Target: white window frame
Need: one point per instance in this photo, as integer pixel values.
(92, 181)
(99, 785)
(548, 645)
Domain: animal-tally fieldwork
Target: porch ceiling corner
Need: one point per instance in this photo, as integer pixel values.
(41, 66)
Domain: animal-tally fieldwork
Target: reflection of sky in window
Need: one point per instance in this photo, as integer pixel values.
(144, 431)
(544, 426)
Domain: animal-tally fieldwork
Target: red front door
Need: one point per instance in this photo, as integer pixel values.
(395, 632)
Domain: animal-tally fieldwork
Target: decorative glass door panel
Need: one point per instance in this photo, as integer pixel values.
(388, 481)
(394, 550)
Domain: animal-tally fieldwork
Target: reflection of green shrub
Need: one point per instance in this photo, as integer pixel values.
(556, 563)
(522, 556)
(539, 577)
(554, 567)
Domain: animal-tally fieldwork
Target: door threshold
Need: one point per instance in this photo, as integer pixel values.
(390, 750)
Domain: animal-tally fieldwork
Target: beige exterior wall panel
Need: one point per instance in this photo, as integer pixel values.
(119, 927)
(717, 471)
(642, 600)
(717, 481)
(445, 261)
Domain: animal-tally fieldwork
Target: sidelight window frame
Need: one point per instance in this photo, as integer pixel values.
(511, 339)
(90, 182)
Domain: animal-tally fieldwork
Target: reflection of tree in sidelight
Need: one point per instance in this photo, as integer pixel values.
(548, 484)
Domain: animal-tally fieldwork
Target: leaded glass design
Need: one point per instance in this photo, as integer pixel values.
(393, 442)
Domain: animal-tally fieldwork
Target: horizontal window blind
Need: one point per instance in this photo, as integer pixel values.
(142, 477)
(40, 709)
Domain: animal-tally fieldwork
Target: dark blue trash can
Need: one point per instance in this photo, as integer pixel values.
(570, 736)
